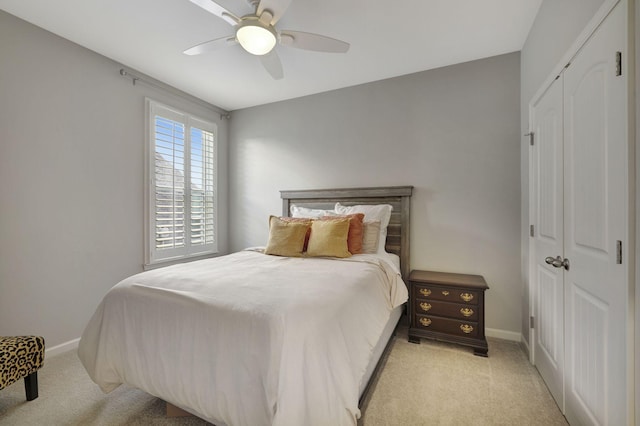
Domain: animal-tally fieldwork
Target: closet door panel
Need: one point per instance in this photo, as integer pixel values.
(586, 120)
(595, 218)
(588, 382)
(548, 298)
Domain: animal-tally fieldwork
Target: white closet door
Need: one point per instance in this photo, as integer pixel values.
(548, 190)
(596, 217)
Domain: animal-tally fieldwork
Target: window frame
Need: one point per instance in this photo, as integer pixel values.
(153, 255)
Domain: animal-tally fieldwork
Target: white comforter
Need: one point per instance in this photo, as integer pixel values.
(246, 339)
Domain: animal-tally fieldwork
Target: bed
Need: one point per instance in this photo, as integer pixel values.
(254, 339)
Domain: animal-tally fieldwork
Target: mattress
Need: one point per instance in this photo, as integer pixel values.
(247, 339)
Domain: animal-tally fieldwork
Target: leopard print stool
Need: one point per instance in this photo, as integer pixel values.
(20, 358)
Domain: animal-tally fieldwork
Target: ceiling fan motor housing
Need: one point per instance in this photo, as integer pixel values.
(256, 34)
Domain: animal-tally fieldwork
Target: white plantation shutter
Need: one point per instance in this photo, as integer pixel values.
(182, 185)
(202, 187)
(169, 183)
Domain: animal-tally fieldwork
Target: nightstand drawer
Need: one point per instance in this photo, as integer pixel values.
(445, 309)
(446, 325)
(446, 294)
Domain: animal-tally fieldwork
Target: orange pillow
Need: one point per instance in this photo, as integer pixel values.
(356, 231)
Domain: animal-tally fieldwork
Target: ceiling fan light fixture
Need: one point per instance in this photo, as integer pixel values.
(256, 38)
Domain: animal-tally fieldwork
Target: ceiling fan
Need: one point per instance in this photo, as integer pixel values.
(257, 34)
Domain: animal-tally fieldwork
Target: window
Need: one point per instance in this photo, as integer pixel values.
(181, 185)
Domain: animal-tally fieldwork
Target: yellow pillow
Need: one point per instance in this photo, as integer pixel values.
(329, 238)
(356, 231)
(286, 238)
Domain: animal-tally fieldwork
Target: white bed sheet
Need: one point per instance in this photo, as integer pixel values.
(247, 339)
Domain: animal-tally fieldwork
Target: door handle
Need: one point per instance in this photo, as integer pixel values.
(557, 262)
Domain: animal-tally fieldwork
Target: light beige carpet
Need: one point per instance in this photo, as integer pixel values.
(438, 383)
(428, 384)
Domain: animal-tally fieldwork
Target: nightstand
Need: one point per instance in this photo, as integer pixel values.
(448, 307)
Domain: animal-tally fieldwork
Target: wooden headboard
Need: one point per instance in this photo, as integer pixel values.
(398, 196)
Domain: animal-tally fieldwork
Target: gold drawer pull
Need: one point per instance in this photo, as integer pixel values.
(467, 312)
(425, 321)
(445, 293)
(425, 306)
(466, 328)
(467, 297)
(425, 291)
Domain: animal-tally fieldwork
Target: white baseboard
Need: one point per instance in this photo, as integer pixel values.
(62, 348)
(503, 334)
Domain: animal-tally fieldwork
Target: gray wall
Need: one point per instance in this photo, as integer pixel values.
(452, 132)
(71, 167)
(554, 30)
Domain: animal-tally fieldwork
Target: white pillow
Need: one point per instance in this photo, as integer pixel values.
(372, 213)
(297, 211)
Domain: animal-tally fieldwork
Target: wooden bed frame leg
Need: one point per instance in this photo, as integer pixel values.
(31, 386)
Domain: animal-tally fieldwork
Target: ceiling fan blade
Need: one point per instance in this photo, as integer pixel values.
(216, 9)
(271, 62)
(277, 8)
(310, 41)
(210, 45)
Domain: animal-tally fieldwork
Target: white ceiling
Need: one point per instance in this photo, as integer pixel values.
(387, 39)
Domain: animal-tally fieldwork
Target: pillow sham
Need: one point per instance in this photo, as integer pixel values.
(372, 212)
(329, 238)
(297, 211)
(286, 238)
(370, 236)
(356, 231)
